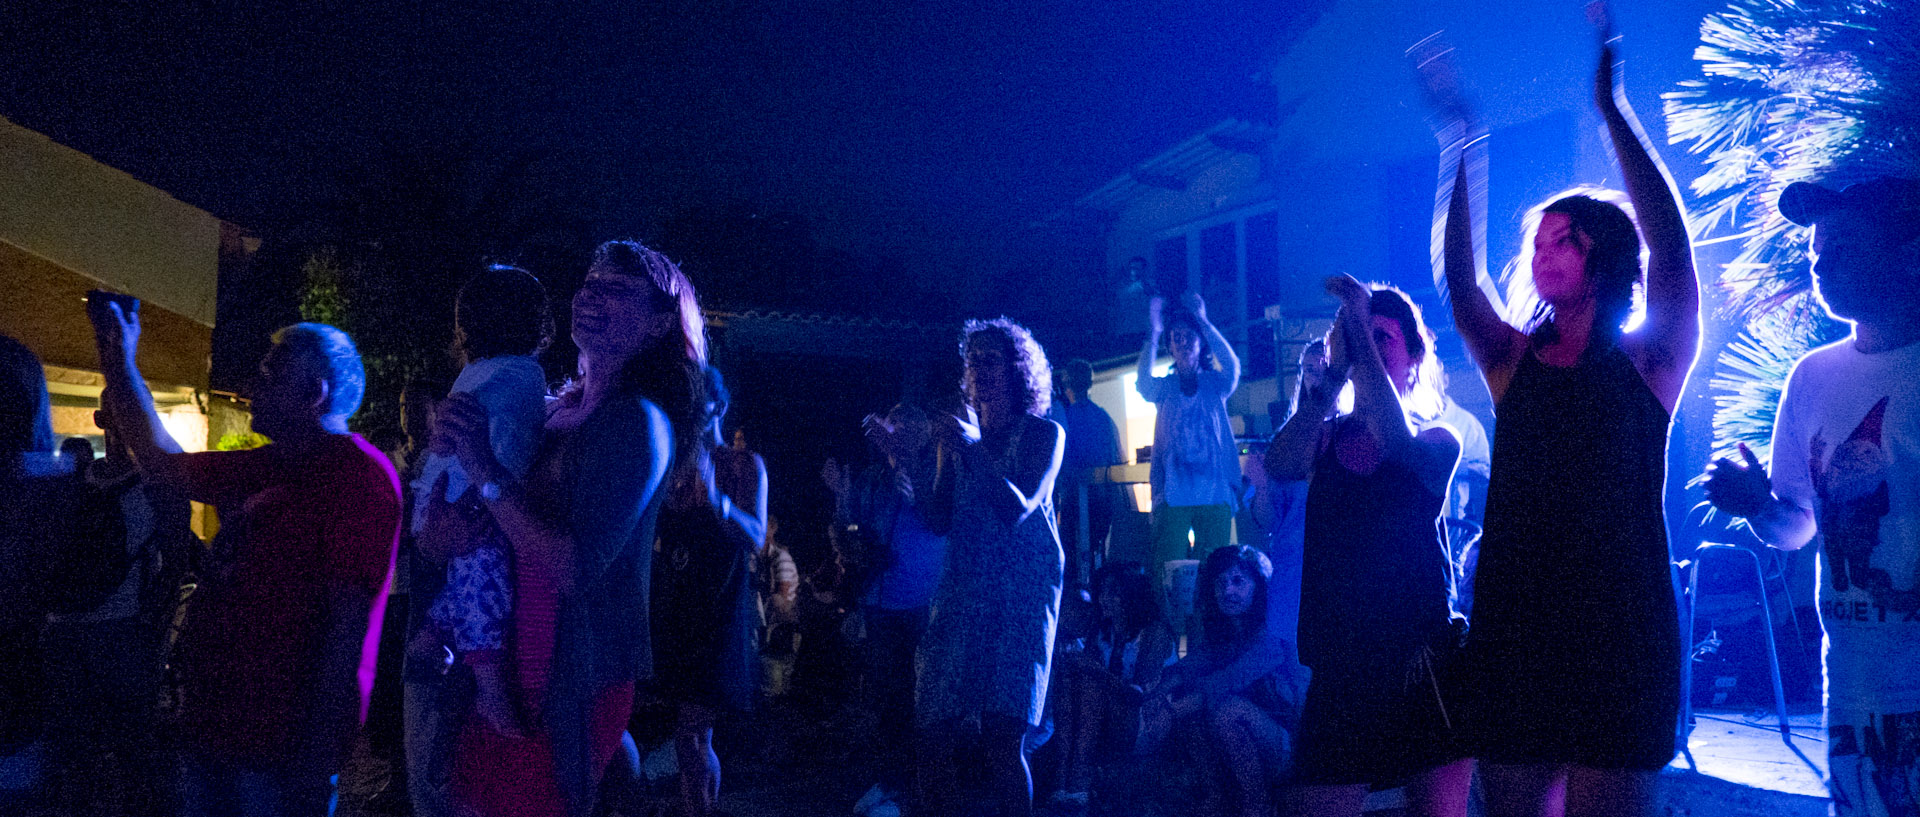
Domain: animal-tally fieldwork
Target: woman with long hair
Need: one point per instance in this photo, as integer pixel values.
(1575, 647)
(1374, 621)
(988, 649)
(1106, 677)
(711, 527)
(581, 531)
(1233, 700)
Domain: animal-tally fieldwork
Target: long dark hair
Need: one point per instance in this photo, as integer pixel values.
(1426, 398)
(672, 373)
(1222, 636)
(1612, 270)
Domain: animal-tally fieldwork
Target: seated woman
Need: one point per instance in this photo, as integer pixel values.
(1105, 679)
(1235, 699)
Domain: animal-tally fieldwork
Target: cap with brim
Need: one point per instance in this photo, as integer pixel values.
(1803, 203)
(1896, 201)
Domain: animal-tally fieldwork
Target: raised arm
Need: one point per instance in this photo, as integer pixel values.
(1670, 339)
(1495, 345)
(1431, 454)
(1222, 350)
(1143, 370)
(127, 398)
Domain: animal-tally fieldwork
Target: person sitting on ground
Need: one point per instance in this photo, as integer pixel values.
(1234, 700)
(1105, 679)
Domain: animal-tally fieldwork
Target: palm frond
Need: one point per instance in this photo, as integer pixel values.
(1793, 90)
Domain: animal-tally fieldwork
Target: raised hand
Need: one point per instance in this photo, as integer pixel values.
(1194, 304)
(461, 427)
(1601, 17)
(1351, 294)
(116, 332)
(1440, 80)
(1741, 489)
(1156, 305)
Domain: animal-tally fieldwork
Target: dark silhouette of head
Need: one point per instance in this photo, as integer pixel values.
(502, 310)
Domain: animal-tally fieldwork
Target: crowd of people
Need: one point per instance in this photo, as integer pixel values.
(543, 567)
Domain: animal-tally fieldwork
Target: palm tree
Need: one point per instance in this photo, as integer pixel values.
(1792, 90)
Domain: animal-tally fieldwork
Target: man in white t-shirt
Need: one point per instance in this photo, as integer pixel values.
(1846, 468)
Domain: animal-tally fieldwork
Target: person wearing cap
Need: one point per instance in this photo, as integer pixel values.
(1846, 469)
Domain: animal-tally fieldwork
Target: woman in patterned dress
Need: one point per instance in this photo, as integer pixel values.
(988, 650)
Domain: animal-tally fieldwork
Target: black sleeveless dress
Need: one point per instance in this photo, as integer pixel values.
(1375, 628)
(703, 611)
(1575, 645)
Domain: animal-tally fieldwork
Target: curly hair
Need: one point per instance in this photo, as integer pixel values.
(1023, 353)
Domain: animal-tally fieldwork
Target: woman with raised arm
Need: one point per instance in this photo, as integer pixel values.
(1575, 651)
(1195, 473)
(1374, 623)
(581, 530)
(988, 649)
(712, 525)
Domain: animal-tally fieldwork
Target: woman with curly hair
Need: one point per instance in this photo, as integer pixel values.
(988, 650)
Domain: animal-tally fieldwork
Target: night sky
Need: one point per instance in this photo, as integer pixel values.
(917, 132)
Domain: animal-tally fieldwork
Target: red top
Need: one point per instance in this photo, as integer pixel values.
(292, 530)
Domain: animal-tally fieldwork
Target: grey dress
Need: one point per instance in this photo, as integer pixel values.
(989, 645)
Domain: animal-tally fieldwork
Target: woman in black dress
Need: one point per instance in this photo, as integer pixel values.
(711, 526)
(1575, 648)
(1374, 623)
